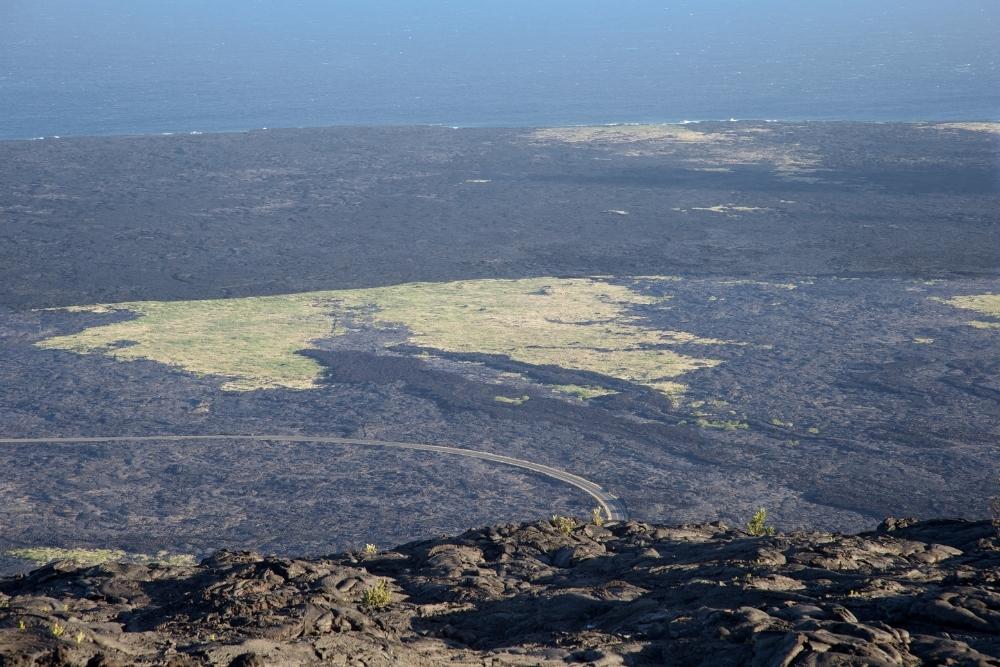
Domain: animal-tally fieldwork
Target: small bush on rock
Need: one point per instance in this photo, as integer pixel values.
(597, 516)
(565, 524)
(377, 596)
(757, 526)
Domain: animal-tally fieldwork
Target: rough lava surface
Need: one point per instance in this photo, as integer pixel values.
(625, 593)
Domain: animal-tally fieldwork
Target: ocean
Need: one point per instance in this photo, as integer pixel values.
(113, 67)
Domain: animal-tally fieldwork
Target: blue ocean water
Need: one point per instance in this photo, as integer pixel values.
(144, 66)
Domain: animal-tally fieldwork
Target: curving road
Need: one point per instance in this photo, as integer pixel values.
(614, 508)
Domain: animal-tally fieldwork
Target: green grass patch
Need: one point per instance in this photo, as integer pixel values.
(723, 424)
(579, 323)
(584, 392)
(517, 400)
(90, 557)
(987, 304)
(624, 134)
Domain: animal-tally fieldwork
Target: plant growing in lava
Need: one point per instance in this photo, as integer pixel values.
(377, 595)
(565, 524)
(757, 525)
(597, 516)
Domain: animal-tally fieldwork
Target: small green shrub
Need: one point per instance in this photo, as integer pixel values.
(370, 550)
(58, 630)
(723, 424)
(565, 524)
(757, 526)
(519, 400)
(597, 516)
(377, 595)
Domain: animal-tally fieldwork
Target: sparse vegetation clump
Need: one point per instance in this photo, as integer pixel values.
(583, 392)
(377, 596)
(986, 304)
(91, 557)
(370, 550)
(515, 400)
(597, 516)
(575, 323)
(565, 524)
(723, 424)
(991, 128)
(757, 526)
(620, 134)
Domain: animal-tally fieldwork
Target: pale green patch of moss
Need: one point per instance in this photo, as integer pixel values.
(90, 557)
(759, 283)
(580, 323)
(723, 424)
(583, 392)
(512, 400)
(251, 340)
(987, 304)
(624, 134)
(988, 127)
(729, 209)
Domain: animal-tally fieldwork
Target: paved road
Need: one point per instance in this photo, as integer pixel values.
(614, 508)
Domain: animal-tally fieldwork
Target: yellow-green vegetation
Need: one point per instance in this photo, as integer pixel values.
(575, 323)
(813, 430)
(251, 340)
(565, 524)
(987, 304)
(757, 526)
(90, 557)
(377, 595)
(729, 209)
(370, 550)
(783, 424)
(79, 637)
(22, 626)
(515, 400)
(58, 629)
(584, 392)
(992, 128)
(619, 134)
(597, 516)
(723, 424)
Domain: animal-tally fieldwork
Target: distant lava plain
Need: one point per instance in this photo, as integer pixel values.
(705, 319)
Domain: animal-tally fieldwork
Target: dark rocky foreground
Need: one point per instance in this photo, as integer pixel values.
(625, 593)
